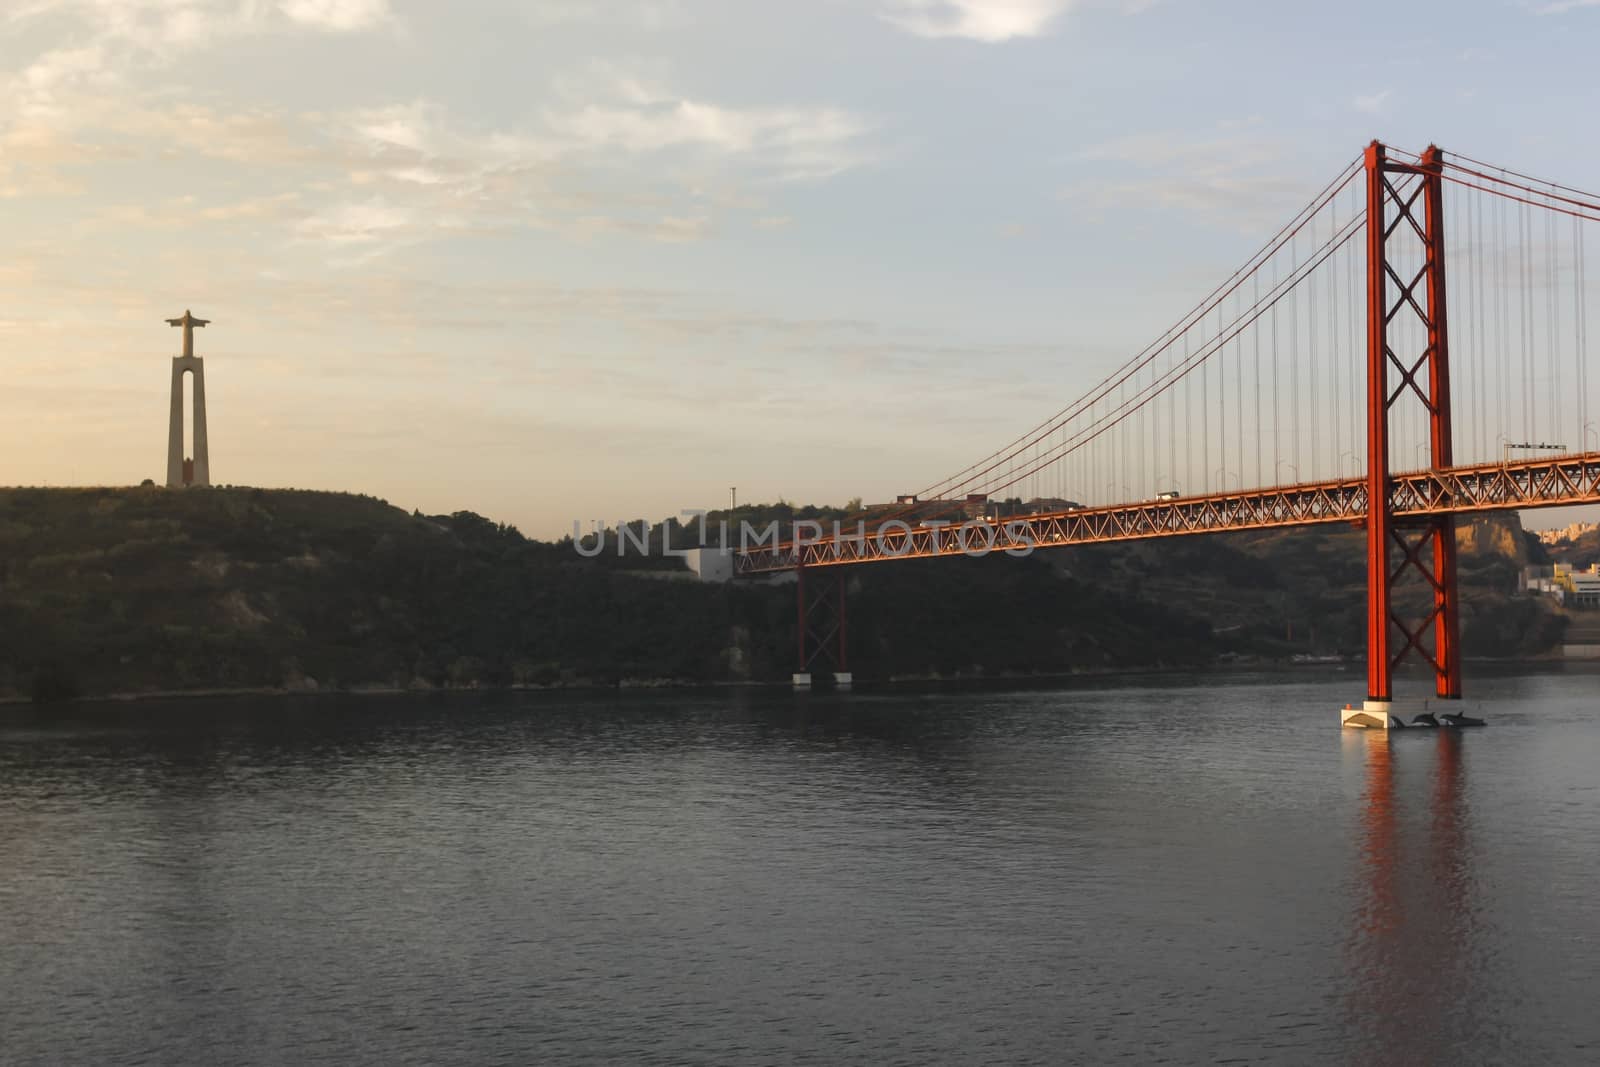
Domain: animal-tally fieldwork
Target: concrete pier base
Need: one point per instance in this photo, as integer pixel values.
(1371, 715)
(802, 681)
(843, 680)
(1403, 714)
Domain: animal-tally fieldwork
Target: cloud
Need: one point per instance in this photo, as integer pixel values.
(63, 66)
(1228, 144)
(405, 126)
(356, 223)
(185, 212)
(341, 16)
(668, 229)
(789, 142)
(189, 21)
(979, 20)
(1374, 103)
(1249, 201)
(114, 40)
(1230, 174)
(627, 14)
(609, 153)
(1564, 6)
(259, 207)
(421, 142)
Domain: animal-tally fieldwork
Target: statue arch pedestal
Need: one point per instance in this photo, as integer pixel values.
(201, 461)
(187, 472)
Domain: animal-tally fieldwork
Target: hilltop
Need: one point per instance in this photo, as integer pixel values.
(1582, 552)
(108, 591)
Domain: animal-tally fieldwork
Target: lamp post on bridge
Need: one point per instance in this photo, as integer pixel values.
(1587, 430)
(1223, 474)
(1355, 463)
(1527, 446)
(1282, 463)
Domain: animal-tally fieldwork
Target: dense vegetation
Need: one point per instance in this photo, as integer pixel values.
(1582, 553)
(142, 590)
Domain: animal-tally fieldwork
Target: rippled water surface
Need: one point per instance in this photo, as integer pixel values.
(1178, 871)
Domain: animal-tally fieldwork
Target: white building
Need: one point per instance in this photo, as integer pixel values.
(711, 564)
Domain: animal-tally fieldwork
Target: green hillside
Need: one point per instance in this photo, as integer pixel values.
(145, 590)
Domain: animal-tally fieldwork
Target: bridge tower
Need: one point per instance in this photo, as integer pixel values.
(196, 471)
(1406, 277)
(821, 627)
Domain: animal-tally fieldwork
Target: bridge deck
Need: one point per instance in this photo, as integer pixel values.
(1565, 480)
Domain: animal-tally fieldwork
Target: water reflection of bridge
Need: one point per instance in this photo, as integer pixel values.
(1413, 963)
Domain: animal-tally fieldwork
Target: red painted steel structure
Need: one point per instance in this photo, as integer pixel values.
(821, 627)
(1415, 498)
(1394, 217)
(1409, 518)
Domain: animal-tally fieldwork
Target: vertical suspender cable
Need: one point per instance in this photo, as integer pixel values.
(1311, 355)
(1255, 334)
(1294, 358)
(1188, 482)
(1277, 453)
(1482, 337)
(1357, 442)
(1222, 402)
(1334, 416)
(1238, 384)
(1156, 428)
(1583, 335)
(1501, 336)
(1205, 419)
(1577, 349)
(1172, 421)
(1525, 257)
(1553, 259)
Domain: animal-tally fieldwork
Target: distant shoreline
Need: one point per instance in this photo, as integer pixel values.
(932, 680)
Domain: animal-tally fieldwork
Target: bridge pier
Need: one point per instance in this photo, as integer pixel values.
(1398, 234)
(821, 629)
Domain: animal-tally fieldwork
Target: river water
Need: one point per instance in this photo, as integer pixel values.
(1144, 871)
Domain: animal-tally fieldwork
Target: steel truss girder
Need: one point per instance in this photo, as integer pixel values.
(1471, 490)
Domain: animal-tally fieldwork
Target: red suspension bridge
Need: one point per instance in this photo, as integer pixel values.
(1339, 354)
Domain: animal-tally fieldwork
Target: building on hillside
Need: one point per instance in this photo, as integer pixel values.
(1046, 504)
(1574, 589)
(1570, 532)
(1532, 577)
(1583, 588)
(713, 564)
(910, 508)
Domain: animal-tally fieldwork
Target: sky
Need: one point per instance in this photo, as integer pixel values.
(551, 260)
